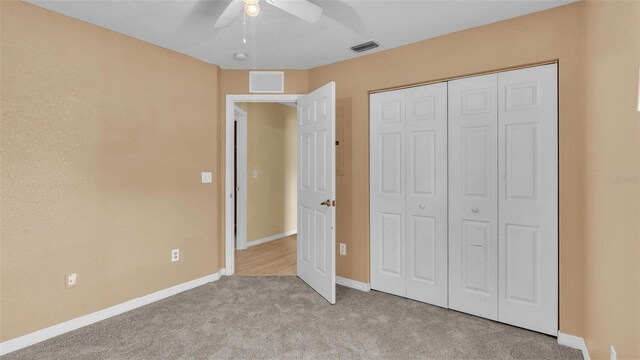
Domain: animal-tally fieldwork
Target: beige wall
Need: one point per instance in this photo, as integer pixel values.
(103, 140)
(271, 152)
(611, 293)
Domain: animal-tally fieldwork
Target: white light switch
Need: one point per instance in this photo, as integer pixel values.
(255, 174)
(207, 177)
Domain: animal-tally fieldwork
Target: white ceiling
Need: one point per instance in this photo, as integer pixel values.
(278, 40)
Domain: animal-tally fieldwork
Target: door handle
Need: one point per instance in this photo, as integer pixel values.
(326, 203)
(474, 209)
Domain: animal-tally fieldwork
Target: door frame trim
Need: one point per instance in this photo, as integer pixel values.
(240, 116)
(231, 100)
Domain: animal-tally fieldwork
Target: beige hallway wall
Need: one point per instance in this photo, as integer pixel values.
(271, 152)
(611, 124)
(103, 140)
(550, 35)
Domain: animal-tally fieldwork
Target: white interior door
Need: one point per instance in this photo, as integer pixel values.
(473, 187)
(528, 200)
(426, 195)
(316, 191)
(387, 177)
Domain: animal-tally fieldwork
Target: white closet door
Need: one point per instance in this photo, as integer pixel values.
(473, 213)
(528, 200)
(387, 172)
(426, 198)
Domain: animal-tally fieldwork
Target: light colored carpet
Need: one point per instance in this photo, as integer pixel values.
(281, 317)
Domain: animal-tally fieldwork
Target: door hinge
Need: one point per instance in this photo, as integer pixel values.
(337, 142)
(333, 203)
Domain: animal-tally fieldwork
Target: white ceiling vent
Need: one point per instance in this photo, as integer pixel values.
(369, 45)
(266, 82)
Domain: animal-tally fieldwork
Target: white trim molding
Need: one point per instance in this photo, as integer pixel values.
(575, 342)
(353, 284)
(73, 324)
(229, 237)
(241, 178)
(271, 238)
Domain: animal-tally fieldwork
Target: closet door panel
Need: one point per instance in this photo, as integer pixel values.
(426, 198)
(473, 212)
(528, 198)
(387, 192)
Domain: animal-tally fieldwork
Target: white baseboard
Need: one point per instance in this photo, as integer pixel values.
(353, 284)
(575, 342)
(271, 238)
(73, 324)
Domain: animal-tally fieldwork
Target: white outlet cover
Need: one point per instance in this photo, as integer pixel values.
(175, 255)
(207, 177)
(343, 249)
(72, 279)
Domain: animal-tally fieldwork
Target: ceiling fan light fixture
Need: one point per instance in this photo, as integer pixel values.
(251, 7)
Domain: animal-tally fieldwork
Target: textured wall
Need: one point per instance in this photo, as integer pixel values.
(612, 188)
(271, 151)
(548, 35)
(102, 143)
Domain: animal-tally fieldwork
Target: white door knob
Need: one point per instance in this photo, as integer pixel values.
(421, 206)
(475, 209)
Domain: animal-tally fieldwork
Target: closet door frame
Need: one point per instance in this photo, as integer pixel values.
(498, 293)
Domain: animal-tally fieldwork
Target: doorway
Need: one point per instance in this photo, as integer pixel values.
(316, 169)
(230, 169)
(265, 188)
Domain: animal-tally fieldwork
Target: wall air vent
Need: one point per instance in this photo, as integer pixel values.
(365, 46)
(266, 82)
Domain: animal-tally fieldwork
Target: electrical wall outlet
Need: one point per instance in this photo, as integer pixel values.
(614, 356)
(207, 177)
(175, 255)
(70, 280)
(343, 249)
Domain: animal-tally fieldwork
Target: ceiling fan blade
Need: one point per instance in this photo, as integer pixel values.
(305, 10)
(229, 14)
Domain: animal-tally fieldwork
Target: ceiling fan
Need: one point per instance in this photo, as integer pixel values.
(304, 9)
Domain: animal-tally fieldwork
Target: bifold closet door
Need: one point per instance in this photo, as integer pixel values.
(473, 190)
(528, 198)
(387, 192)
(426, 198)
(409, 193)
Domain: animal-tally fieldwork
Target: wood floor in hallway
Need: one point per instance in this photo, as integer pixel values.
(277, 257)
